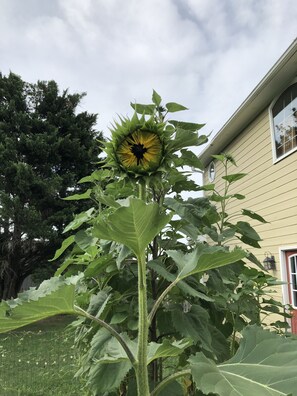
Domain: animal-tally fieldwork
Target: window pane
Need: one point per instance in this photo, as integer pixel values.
(293, 279)
(294, 283)
(295, 299)
(285, 121)
(292, 263)
(211, 172)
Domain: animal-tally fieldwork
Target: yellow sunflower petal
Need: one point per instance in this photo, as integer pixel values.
(140, 151)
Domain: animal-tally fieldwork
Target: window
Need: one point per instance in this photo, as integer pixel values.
(284, 119)
(211, 172)
(293, 280)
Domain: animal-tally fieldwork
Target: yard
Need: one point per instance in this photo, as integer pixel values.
(39, 360)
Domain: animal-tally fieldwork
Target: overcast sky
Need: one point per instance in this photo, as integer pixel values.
(205, 54)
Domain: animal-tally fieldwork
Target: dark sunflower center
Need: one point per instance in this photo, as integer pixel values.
(138, 150)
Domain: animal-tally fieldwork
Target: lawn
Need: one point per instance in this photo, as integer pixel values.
(39, 360)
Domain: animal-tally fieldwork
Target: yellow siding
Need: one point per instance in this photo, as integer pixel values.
(270, 189)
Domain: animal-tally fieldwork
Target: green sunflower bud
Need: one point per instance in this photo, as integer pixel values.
(137, 146)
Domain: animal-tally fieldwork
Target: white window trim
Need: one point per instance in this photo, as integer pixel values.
(274, 158)
(284, 274)
(283, 271)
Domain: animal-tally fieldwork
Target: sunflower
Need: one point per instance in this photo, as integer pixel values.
(140, 152)
(148, 145)
(137, 147)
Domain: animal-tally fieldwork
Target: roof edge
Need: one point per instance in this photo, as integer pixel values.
(279, 75)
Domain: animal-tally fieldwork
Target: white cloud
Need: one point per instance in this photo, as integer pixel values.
(207, 55)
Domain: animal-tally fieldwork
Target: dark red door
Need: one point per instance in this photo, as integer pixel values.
(291, 264)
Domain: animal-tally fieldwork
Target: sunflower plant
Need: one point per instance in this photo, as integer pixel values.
(159, 308)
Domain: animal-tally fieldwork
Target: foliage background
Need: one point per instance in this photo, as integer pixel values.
(46, 146)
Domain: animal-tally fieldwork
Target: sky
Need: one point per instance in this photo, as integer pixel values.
(207, 55)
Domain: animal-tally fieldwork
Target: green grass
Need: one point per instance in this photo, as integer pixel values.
(39, 360)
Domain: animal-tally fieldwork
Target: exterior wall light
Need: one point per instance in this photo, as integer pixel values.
(269, 262)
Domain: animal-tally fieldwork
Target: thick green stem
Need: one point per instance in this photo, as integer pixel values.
(223, 203)
(142, 190)
(142, 369)
(154, 366)
(143, 326)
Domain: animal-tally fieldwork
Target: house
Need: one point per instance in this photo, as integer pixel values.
(262, 137)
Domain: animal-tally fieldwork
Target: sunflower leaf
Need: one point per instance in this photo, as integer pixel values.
(77, 197)
(265, 364)
(174, 107)
(66, 243)
(143, 109)
(156, 98)
(234, 177)
(112, 363)
(134, 226)
(204, 258)
(182, 285)
(167, 349)
(190, 159)
(79, 219)
(188, 126)
(184, 138)
(97, 266)
(53, 297)
(253, 215)
(244, 228)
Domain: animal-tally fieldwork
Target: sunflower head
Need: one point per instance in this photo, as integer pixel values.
(137, 147)
(147, 144)
(140, 152)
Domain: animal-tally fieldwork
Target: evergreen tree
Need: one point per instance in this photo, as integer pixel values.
(46, 146)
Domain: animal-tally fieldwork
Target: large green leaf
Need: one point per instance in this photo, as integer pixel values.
(246, 230)
(107, 377)
(98, 302)
(54, 296)
(167, 349)
(173, 389)
(187, 289)
(193, 324)
(84, 240)
(98, 265)
(190, 159)
(112, 363)
(253, 215)
(183, 138)
(180, 182)
(264, 365)
(134, 226)
(204, 258)
(106, 199)
(194, 211)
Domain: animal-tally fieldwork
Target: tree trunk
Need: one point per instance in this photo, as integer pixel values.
(11, 274)
(10, 284)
